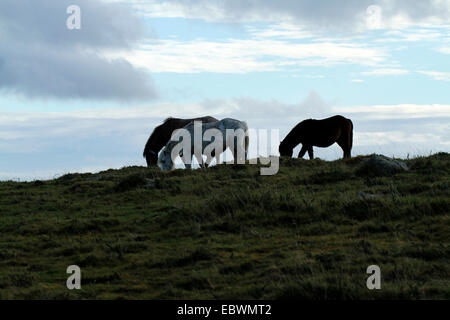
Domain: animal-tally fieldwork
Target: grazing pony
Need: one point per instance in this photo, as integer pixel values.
(237, 143)
(161, 135)
(319, 133)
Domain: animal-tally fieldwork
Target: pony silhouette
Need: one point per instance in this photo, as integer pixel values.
(237, 143)
(319, 133)
(162, 133)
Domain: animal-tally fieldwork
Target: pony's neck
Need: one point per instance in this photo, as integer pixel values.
(152, 152)
(290, 142)
(155, 143)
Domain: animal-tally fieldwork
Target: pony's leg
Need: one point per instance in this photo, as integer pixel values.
(187, 165)
(345, 148)
(347, 153)
(302, 151)
(209, 158)
(200, 161)
(237, 159)
(207, 162)
(235, 151)
(311, 152)
(246, 141)
(217, 157)
(245, 149)
(240, 149)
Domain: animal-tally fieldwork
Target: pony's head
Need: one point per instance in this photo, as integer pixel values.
(152, 158)
(153, 145)
(285, 151)
(165, 162)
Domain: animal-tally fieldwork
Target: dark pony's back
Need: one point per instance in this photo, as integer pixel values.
(162, 133)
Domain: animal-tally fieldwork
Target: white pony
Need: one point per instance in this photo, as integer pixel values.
(213, 138)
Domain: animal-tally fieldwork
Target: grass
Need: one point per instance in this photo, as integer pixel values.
(309, 232)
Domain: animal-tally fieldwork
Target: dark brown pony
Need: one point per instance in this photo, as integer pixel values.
(319, 133)
(162, 133)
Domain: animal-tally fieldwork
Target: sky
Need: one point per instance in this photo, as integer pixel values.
(85, 100)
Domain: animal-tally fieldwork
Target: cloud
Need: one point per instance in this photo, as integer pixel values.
(40, 57)
(326, 15)
(445, 50)
(247, 55)
(385, 72)
(280, 30)
(401, 111)
(387, 138)
(437, 75)
(413, 35)
(262, 113)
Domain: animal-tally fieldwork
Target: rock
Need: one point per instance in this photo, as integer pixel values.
(380, 165)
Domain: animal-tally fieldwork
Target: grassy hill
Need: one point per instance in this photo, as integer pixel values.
(226, 232)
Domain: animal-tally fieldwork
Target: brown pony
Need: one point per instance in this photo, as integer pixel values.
(320, 133)
(162, 133)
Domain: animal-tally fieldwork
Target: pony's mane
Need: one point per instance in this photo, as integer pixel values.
(244, 124)
(147, 145)
(167, 119)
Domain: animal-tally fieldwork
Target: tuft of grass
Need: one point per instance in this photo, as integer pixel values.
(130, 182)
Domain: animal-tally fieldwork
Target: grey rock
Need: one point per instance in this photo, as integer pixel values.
(380, 165)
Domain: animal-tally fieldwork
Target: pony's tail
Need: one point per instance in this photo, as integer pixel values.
(247, 140)
(146, 148)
